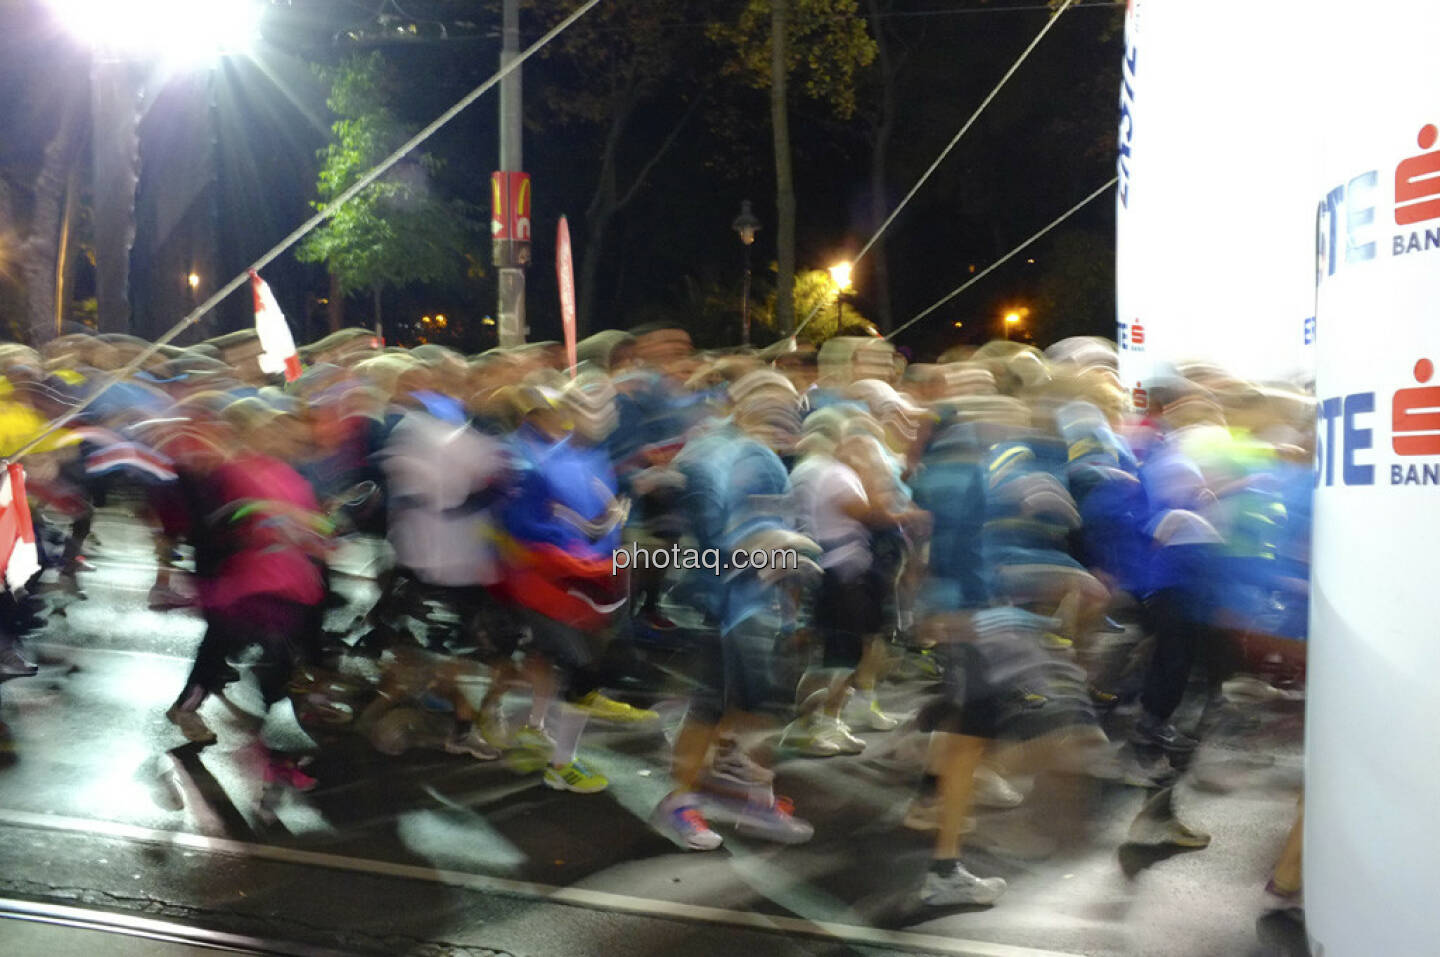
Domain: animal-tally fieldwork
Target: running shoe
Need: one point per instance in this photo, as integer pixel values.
(496, 729)
(841, 734)
(924, 815)
(733, 765)
(602, 708)
(191, 725)
(806, 736)
(869, 717)
(955, 885)
(772, 820)
(1163, 735)
(1157, 824)
(577, 777)
(13, 665)
(678, 818)
(474, 744)
(529, 751)
(992, 790)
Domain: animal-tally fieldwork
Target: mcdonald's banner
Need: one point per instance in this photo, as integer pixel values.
(510, 218)
(1215, 200)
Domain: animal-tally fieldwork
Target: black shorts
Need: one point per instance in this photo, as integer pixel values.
(487, 629)
(967, 704)
(847, 611)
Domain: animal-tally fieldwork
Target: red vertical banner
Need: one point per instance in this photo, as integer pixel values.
(565, 273)
(500, 206)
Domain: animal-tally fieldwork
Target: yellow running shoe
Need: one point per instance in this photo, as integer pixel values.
(602, 708)
(529, 750)
(576, 777)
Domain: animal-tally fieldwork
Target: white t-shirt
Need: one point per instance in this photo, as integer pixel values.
(825, 488)
(433, 468)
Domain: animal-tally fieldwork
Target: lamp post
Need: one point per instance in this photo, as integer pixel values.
(1012, 317)
(747, 226)
(840, 276)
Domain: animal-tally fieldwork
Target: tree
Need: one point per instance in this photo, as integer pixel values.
(1076, 296)
(398, 230)
(822, 44)
(620, 64)
(881, 116)
(813, 289)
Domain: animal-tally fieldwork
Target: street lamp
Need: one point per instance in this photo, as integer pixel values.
(193, 280)
(840, 276)
(171, 30)
(747, 226)
(1012, 318)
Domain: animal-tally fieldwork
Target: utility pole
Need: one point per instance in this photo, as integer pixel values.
(511, 307)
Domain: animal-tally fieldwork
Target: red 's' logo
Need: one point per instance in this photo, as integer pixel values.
(1415, 415)
(1417, 182)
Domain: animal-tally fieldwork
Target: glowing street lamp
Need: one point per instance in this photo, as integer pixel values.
(169, 36)
(1013, 318)
(193, 280)
(172, 30)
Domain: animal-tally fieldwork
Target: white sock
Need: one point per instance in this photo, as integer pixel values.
(565, 725)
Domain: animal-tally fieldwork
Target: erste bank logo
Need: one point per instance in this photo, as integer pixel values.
(1132, 336)
(1346, 434)
(1349, 219)
(1139, 398)
(1126, 136)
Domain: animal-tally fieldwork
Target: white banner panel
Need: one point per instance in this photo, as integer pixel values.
(1373, 782)
(1215, 204)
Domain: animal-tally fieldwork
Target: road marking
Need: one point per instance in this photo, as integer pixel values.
(577, 896)
(148, 928)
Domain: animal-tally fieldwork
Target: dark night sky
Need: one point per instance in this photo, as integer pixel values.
(1042, 145)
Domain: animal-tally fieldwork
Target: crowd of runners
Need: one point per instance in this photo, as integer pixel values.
(997, 522)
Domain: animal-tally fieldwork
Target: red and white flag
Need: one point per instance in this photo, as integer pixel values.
(17, 534)
(277, 343)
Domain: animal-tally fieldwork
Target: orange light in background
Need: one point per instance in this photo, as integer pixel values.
(194, 280)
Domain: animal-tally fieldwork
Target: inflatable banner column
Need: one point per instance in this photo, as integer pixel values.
(1372, 807)
(1214, 198)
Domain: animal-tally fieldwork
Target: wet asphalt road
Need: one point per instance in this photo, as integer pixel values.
(105, 805)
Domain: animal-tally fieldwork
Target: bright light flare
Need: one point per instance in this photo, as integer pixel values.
(176, 31)
(1012, 317)
(840, 275)
(194, 280)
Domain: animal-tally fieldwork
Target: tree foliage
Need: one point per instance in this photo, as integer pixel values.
(814, 291)
(631, 75)
(399, 229)
(828, 46)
